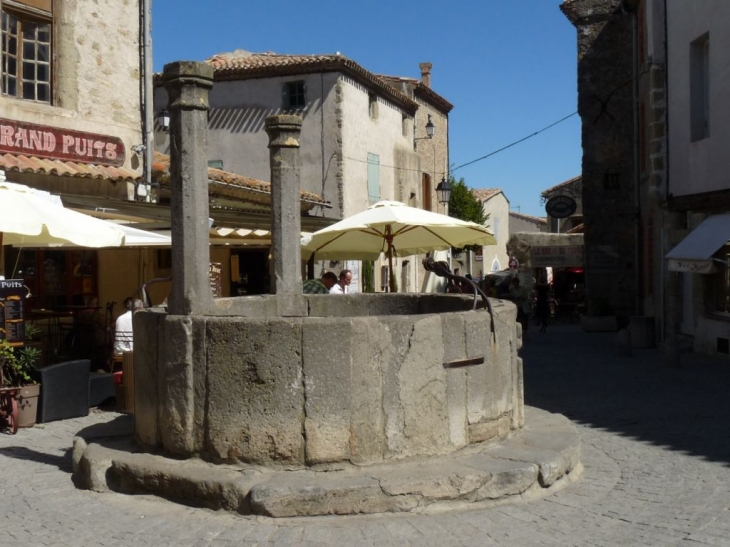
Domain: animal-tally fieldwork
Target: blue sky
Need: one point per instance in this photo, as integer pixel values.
(508, 67)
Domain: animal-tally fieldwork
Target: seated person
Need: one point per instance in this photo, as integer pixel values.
(320, 286)
(123, 337)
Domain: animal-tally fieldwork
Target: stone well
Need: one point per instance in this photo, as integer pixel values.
(355, 379)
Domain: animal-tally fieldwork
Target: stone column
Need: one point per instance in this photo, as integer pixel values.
(286, 223)
(188, 83)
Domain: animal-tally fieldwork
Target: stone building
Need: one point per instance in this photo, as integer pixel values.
(668, 55)
(494, 258)
(363, 136)
(70, 124)
(572, 189)
(695, 167)
(607, 105)
(520, 222)
(433, 151)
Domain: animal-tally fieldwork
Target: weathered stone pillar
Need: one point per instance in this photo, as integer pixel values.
(187, 84)
(286, 221)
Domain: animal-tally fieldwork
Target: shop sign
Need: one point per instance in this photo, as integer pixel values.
(60, 144)
(13, 293)
(560, 206)
(557, 256)
(215, 271)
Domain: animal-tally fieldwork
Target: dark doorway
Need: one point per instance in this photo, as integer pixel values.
(253, 272)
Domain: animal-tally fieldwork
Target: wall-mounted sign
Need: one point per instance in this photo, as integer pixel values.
(560, 206)
(556, 256)
(13, 293)
(60, 144)
(216, 270)
(513, 263)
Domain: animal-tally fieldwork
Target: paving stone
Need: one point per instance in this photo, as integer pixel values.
(655, 452)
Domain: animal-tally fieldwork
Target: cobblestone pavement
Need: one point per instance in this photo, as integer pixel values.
(656, 452)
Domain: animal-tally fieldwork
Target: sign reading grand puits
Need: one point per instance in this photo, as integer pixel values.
(60, 144)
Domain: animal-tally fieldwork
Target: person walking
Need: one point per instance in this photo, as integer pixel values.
(542, 302)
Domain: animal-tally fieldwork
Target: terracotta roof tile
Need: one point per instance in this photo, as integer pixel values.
(424, 91)
(257, 191)
(562, 185)
(42, 166)
(241, 64)
(483, 194)
(540, 220)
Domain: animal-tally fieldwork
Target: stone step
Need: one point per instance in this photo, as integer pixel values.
(535, 462)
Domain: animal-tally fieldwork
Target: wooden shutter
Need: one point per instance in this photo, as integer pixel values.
(373, 177)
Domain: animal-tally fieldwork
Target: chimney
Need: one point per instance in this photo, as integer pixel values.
(425, 73)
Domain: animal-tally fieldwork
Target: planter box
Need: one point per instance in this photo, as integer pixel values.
(28, 405)
(599, 323)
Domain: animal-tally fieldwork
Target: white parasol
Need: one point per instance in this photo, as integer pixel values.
(393, 228)
(28, 219)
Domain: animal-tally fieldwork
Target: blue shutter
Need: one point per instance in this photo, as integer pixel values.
(373, 177)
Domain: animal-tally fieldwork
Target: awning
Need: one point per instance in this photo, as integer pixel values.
(42, 166)
(694, 253)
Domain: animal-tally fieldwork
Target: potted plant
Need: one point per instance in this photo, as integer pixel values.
(32, 336)
(19, 390)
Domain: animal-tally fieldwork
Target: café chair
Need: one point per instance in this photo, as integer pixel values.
(64, 391)
(68, 389)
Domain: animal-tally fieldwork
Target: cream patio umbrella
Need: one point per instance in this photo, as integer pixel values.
(28, 219)
(393, 228)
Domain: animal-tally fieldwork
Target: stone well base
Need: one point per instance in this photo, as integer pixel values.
(536, 462)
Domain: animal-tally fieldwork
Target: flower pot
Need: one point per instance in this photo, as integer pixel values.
(27, 399)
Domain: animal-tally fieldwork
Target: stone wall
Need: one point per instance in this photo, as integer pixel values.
(606, 79)
(357, 379)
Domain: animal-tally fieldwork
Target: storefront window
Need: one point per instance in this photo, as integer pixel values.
(718, 286)
(57, 280)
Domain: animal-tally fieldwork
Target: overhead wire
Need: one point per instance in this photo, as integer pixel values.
(478, 159)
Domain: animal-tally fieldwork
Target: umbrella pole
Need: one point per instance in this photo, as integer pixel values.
(389, 239)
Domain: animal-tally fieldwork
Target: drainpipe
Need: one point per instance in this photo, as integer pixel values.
(142, 191)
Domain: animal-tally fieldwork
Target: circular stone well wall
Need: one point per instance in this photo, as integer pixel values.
(356, 378)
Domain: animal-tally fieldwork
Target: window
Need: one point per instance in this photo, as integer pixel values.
(496, 228)
(718, 286)
(373, 177)
(373, 106)
(26, 49)
(295, 95)
(699, 60)
(404, 125)
(216, 164)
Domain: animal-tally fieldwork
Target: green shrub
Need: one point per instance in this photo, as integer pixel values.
(17, 364)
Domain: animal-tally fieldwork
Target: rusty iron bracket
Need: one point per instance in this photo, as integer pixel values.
(464, 362)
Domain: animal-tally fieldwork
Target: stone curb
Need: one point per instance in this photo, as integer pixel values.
(536, 462)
